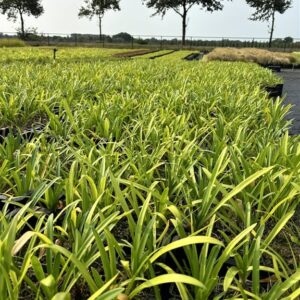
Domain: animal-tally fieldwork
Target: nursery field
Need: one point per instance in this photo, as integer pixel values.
(167, 55)
(44, 55)
(144, 179)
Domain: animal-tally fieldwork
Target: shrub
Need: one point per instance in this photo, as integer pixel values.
(259, 56)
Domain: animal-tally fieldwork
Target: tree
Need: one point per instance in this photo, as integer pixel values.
(182, 7)
(98, 8)
(288, 40)
(15, 8)
(265, 10)
(123, 37)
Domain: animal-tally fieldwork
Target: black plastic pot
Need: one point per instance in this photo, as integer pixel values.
(55, 110)
(194, 56)
(289, 66)
(275, 91)
(30, 133)
(22, 200)
(4, 132)
(27, 134)
(274, 68)
(14, 205)
(161, 55)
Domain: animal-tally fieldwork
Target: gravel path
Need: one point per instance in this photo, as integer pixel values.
(292, 93)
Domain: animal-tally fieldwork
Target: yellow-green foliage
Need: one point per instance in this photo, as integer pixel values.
(5, 42)
(144, 173)
(45, 54)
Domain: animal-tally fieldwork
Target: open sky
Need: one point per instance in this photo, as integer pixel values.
(61, 16)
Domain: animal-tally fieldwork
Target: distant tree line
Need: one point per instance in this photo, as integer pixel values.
(265, 10)
(152, 42)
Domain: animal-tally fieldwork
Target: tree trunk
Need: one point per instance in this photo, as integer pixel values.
(100, 28)
(184, 25)
(272, 28)
(22, 25)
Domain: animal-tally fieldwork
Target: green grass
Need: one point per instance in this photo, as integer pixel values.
(147, 173)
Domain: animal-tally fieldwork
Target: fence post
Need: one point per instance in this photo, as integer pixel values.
(48, 39)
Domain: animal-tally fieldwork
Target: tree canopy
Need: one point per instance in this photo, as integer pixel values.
(161, 6)
(15, 8)
(265, 10)
(98, 8)
(182, 7)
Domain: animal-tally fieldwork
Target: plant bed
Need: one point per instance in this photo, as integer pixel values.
(161, 55)
(198, 158)
(133, 53)
(254, 55)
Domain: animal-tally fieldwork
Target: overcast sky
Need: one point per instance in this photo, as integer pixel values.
(61, 17)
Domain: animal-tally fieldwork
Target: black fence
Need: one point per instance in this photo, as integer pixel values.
(125, 40)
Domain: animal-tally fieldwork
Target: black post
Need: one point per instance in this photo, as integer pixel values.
(54, 53)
